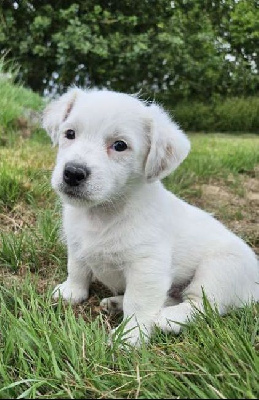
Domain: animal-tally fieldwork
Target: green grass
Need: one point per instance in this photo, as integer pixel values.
(14, 97)
(215, 156)
(16, 102)
(49, 349)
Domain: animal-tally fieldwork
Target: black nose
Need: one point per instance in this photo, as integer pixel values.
(75, 174)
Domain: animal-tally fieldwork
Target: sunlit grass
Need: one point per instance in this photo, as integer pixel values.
(53, 350)
(15, 100)
(49, 351)
(215, 156)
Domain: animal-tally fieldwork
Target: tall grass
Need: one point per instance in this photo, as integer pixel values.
(48, 351)
(14, 99)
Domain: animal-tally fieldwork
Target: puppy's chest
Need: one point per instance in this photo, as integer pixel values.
(102, 250)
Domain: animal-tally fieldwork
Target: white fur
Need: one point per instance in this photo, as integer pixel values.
(129, 231)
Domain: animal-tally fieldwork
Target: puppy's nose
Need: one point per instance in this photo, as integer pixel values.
(75, 174)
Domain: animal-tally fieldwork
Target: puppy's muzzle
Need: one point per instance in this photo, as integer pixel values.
(75, 174)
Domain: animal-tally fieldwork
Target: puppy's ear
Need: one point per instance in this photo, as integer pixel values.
(168, 145)
(57, 112)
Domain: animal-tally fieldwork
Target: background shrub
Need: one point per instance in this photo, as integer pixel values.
(222, 115)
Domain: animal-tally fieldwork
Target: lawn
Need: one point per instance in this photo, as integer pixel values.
(53, 350)
(50, 349)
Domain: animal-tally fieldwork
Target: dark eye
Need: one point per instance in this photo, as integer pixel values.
(119, 145)
(70, 134)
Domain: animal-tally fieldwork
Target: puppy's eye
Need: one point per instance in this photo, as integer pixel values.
(70, 134)
(119, 145)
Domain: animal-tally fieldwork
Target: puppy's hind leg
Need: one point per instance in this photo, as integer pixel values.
(171, 319)
(226, 281)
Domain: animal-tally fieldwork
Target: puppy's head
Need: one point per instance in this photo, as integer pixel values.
(108, 143)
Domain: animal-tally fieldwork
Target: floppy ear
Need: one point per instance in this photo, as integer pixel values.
(168, 145)
(57, 112)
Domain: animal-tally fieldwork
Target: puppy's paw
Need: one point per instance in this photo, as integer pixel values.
(128, 335)
(112, 304)
(70, 292)
(167, 325)
(172, 319)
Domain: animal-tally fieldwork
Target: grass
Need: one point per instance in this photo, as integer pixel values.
(49, 349)
(216, 156)
(14, 100)
(16, 103)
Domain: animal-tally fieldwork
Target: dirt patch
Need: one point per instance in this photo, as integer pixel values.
(16, 219)
(210, 191)
(251, 189)
(235, 203)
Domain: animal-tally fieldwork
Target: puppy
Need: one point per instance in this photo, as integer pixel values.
(122, 226)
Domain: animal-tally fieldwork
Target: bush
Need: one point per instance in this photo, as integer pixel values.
(223, 115)
(237, 114)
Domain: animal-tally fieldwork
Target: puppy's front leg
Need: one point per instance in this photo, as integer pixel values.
(147, 284)
(76, 288)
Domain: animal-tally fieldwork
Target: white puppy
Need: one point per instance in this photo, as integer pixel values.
(125, 228)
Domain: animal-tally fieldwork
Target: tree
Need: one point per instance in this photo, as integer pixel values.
(178, 49)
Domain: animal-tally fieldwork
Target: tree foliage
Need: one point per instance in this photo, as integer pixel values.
(180, 49)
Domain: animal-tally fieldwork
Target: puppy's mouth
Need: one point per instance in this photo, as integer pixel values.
(80, 195)
(74, 192)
